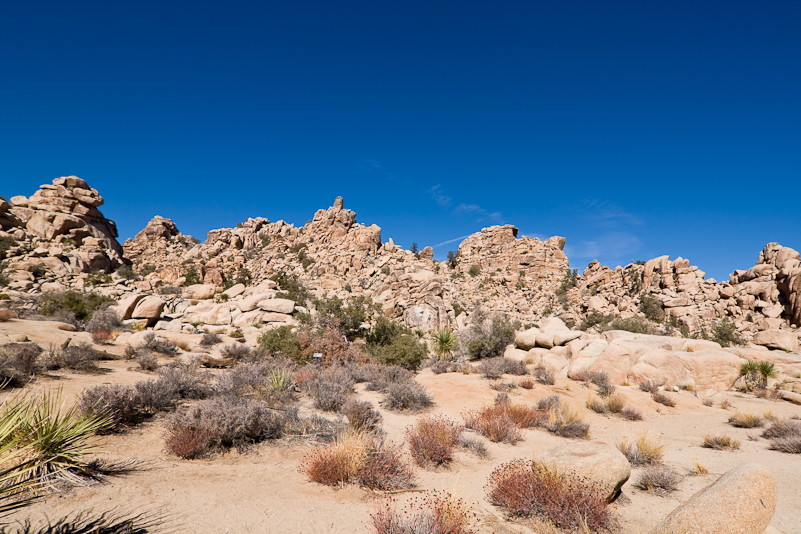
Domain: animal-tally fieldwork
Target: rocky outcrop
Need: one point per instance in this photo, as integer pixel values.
(742, 501)
(602, 465)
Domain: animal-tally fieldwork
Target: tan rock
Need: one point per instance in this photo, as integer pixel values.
(277, 305)
(235, 290)
(599, 463)
(149, 308)
(777, 339)
(199, 292)
(527, 339)
(742, 501)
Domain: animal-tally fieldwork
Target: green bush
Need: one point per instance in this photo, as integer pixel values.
(651, 308)
(488, 335)
(82, 305)
(393, 344)
(283, 341)
(726, 334)
(474, 271)
(6, 243)
(452, 259)
(192, 276)
(347, 317)
(127, 272)
(291, 287)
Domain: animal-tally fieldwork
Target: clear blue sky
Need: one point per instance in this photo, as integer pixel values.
(632, 128)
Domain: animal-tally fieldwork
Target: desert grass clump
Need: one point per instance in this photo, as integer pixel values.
(409, 396)
(526, 383)
(789, 444)
(358, 457)
(642, 451)
(523, 488)
(722, 442)
(784, 435)
(616, 403)
(663, 398)
(596, 404)
(707, 402)
(435, 513)
(648, 386)
(699, 468)
(631, 414)
(546, 403)
(563, 420)
(746, 420)
(361, 415)
(475, 445)
(545, 376)
(209, 340)
(660, 480)
(502, 421)
(432, 440)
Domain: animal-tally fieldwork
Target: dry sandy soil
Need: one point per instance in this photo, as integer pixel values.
(262, 490)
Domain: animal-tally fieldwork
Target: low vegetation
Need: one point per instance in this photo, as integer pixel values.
(642, 450)
(721, 442)
(660, 480)
(784, 435)
(746, 420)
(487, 335)
(435, 513)
(524, 488)
(71, 306)
(432, 440)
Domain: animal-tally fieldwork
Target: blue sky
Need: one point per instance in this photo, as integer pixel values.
(634, 129)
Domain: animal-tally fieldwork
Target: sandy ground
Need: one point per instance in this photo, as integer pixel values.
(262, 490)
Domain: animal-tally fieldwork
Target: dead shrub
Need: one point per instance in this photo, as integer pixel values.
(103, 319)
(120, 403)
(746, 420)
(494, 368)
(789, 444)
(209, 340)
(631, 414)
(407, 396)
(361, 415)
(642, 451)
(436, 513)
(154, 343)
(239, 352)
(101, 336)
(649, 386)
(19, 362)
(545, 376)
(523, 488)
(475, 445)
(660, 480)
(526, 383)
(432, 440)
(663, 398)
(147, 360)
(722, 442)
(188, 443)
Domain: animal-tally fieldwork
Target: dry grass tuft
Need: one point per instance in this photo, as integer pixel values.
(597, 404)
(642, 451)
(565, 421)
(699, 468)
(722, 442)
(746, 420)
(631, 414)
(660, 480)
(663, 398)
(524, 488)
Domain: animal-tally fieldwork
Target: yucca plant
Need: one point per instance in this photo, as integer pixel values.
(756, 373)
(279, 380)
(17, 488)
(444, 342)
(56, 441)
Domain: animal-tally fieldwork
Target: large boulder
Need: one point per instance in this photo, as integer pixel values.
(712, 369)
(527, 339)
(662, 367)
(742, 501)
(599, 463)
(199, 292)
(277, 305)
(777, 339)
(149, 308)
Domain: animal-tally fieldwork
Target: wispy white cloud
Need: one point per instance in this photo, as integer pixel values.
(607, 213)
(440, 198)
(449, 241)
(606, 247)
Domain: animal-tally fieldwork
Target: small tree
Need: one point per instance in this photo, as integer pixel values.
(452, 261)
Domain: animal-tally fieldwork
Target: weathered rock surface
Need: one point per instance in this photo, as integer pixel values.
(742, 501)
(596, 462)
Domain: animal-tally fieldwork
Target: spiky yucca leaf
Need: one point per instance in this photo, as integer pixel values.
(16, 485)
(444, 342)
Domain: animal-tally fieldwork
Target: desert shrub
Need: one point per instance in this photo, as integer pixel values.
(209, 340)
(649, 386)
(147, 360)
(81, 357)
(606, 389)
(187, 442)
(262, 379)
(721, 442)
(663, 398)
(155, 343)
(651, 308)
(789, 444)
(436, 513)
(642, 451)
(6, 315)
(631, 414)
(546, 403)
(545, 376)
(103, 319)
(637, 325)
(239, 352)
(284, 342)
(526, 383)
(291, 288)
(442, 366)
(358, 457)
(361, 415)
(487, 336)
(331, 388)
(502, 421)
(616, 403)
(19, 362)
(756, 374)
(407, 396)
(597, 404)
(101, 336)
(127, 272)
(392, 344)
(432, 440)
(524, 488)
(475, 445)
(231, 421)
(782, 428)
(335, 348)
(345, 317)
(187, 381)
(6, 242)
(566, 422)
(496, 367)
(725, 333)
(746, 420)
(82, 305)
(660, 479)
(121, 404)
(153, 396)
